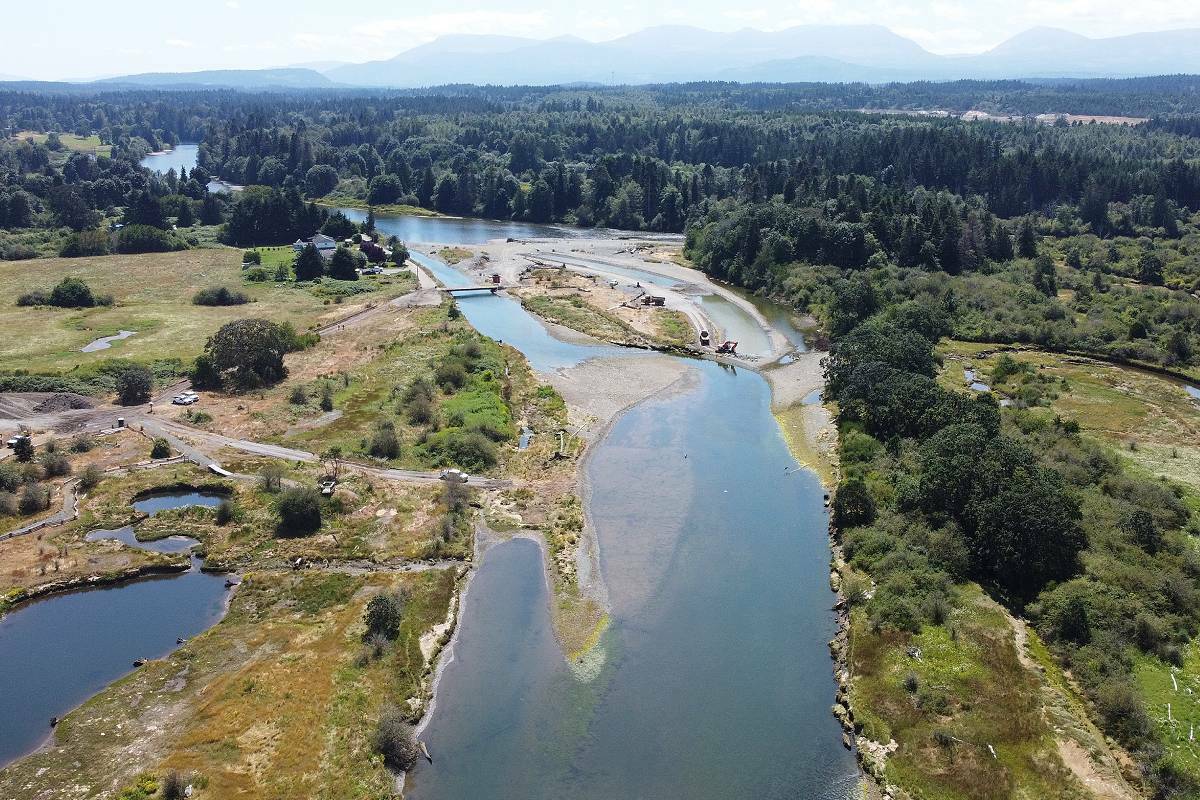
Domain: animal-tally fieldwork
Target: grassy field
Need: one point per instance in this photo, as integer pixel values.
(153, 295)
(1149, 419)
(277, 700)
(78, 144)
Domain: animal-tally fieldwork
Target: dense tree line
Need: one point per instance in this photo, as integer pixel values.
(648, 158)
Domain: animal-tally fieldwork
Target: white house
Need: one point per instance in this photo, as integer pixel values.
(324, 244)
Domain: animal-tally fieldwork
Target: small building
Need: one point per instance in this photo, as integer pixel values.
(324, 244)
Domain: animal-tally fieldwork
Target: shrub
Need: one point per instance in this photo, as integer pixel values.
(394, 740)
(470, 450)
(383, 616)
(299, 512)
(384, 443)
(161, 448)
(270, 477)
(298, 396)
(147, 239)
(34, 498)
(23, 450)
(219, 296)
(326, 398)
(226, 511)
(1122, 710)
(82, 443)
(86, 243)
(251, 257)
(173, 786)
(134, 385)
(90, 477)
(55, 465)
(69, 293)
(451, 375)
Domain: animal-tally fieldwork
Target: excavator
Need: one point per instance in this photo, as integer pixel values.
(728, 347)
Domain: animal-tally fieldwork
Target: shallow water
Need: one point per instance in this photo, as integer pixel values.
(1193, 392)
(714, 679)
(184, 156)
(736, 325)
(412, 228)
(57, 652)
(502, 318)
(105, 342)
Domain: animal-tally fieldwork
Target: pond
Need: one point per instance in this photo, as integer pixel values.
(57, 652)
(184, 156)
(105, 342)
(713, 679)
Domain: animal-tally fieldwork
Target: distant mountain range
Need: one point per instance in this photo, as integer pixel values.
(837, 53)
(828, 53)
(286, 78)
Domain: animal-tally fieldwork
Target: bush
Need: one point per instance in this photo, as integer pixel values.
(219, 296)
(251, 257)
(173, 786)
(451, 375)
(55, 465)
(90, 477)
(69, 293)
(226, 512)
(383, 616)
(384, 443)
(1122, 710)
(147, 239)
(470, 450)
(23, 450)
(34, 498)
(299, 512)
(298, 396)
(394, 740)
(86, 243)
(161, 448)
(326, 398)
(134, 385)
(270, 477)
(82, 443)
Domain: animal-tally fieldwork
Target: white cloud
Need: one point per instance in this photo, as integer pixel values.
(234, 4)
(180, 43)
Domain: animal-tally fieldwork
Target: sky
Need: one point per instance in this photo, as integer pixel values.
(80, 39)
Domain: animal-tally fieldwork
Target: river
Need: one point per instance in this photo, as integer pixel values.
(713, 679)
(57, 652)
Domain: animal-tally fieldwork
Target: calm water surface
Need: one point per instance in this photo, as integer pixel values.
(411, 228)
(57, 652)
(715, 680)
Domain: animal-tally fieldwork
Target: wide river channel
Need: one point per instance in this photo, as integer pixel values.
(713, 679)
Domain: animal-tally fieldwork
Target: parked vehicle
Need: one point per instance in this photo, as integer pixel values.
(455, 476)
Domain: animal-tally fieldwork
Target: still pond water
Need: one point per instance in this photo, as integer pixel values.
(57, 652)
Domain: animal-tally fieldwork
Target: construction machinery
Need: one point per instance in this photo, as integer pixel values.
(728, 347)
